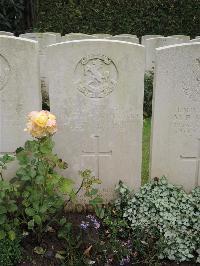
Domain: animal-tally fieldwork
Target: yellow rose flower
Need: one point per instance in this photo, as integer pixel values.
(41, 124)
(41, 120)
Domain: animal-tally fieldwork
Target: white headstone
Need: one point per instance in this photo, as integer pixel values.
(6, 33)
(96, 92)
(182, 37)
(152, 44)
(58, 35)
(145, 37)
(101, 35)
(197, 37)
(19, 91)
(176, 115)
(195, 40)
(125, 39)
(126, 35)
(44, 39)
(76, 36)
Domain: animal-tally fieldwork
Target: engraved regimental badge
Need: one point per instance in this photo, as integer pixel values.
(96, 76)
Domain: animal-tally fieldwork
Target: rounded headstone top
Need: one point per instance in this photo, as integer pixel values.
(145, 37)
(125, 38)
(179, 36)
(6, 33)
(101, 35)
(125, 35)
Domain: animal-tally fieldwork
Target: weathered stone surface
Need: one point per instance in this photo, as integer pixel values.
(96, 92)
(19, 91)
(6, 33)
(58, 35)
(44, 39)
(195, 40)
(175, 144)
(182, 37)
(101, 35)
(76, 36)
(127, 35)
(125, 39)
(145, 37)
(153, 43)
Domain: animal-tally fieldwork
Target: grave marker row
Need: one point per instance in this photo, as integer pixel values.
(96, 92)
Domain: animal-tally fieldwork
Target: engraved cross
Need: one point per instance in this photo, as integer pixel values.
(197, 159)
(97, 154)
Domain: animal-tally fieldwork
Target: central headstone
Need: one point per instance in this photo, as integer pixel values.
(96, 92)
(176, 115)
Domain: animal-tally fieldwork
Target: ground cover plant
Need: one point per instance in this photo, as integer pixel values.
(154, 226)
(166, 213)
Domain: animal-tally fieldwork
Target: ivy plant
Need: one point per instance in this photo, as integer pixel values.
(168, 212)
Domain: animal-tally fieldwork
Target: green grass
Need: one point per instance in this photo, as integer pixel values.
(146, 150)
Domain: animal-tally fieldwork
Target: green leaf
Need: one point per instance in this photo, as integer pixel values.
(11, 235)
(2, 234)
(46, 145)
(96, 201)
(59, 256)
(37, 219)
(41, 169)
(43, 208)
(2, 210)
(22, 157)
(93, 192)
(23, 173)
(6, 158)
(30, 212)
(63, 221)
(39, 250)
(18, 150)
(2, 219)
(12, 207)
(39, 179)
(31, 145)
(61, 164)
(31, 224)
(32, 173)
(25, 194)
(66, 186)
(72, 195)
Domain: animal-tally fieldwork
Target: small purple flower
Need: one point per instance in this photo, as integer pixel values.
(84, 225)
(129, 243)
(94, 221)
(125, 261)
